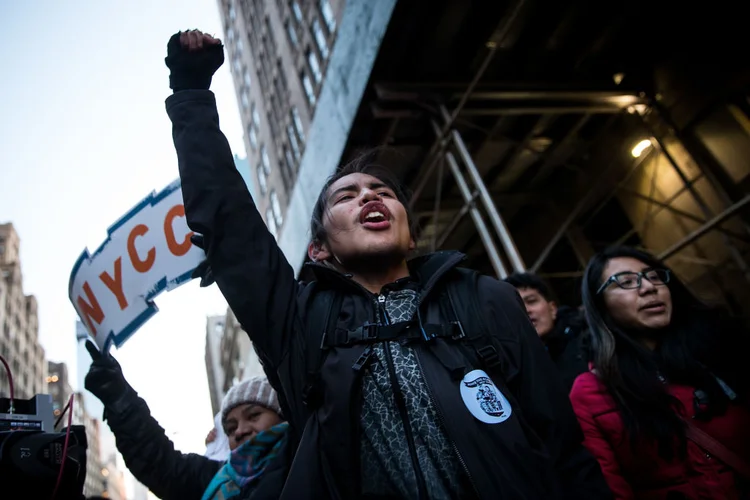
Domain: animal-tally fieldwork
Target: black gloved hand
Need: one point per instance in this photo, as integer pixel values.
(203, 271)
(105, 379)
(192, 58)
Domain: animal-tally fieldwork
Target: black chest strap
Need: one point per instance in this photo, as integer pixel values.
(370, 333)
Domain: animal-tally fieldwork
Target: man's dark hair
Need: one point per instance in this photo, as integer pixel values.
(363, 163)
(530, 280)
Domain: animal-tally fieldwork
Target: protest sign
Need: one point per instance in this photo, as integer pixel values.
(147, 251)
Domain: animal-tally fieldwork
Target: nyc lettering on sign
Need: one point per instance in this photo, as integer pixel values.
(148, 250)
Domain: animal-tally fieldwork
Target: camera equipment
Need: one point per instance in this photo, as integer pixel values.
(30, 462)
(35, 461)
(34, 414)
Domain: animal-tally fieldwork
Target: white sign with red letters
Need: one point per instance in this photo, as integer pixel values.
(148, 250)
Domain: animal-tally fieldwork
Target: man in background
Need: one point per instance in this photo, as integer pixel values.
(561, 329)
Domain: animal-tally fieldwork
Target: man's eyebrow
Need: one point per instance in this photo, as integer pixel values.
(350, 187)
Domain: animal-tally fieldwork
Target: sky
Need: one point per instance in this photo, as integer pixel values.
(84, 136)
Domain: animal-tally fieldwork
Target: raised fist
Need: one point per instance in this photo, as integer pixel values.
(105, 379)
(192, 58)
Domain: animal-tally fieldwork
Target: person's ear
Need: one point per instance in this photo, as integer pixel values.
(318, 252)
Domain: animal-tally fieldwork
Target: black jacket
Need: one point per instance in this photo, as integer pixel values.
(536, 454)
(150, 456)
(569, 346)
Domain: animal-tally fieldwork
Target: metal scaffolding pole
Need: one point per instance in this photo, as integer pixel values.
(436, 149)
(705, 228)
(484, 233)
(502, 230)
(564, 227)
(436, 208)
(707, 212)
(454, 222)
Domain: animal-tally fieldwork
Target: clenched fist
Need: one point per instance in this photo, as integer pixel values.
(192, 58)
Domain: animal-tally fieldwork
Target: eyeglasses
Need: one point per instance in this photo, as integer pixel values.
(630, 280)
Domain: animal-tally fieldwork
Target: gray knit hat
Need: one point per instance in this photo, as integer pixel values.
(255, 390)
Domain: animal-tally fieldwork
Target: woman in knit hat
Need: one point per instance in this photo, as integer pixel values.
(250, 417)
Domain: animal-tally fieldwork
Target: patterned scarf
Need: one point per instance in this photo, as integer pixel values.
(246, 464)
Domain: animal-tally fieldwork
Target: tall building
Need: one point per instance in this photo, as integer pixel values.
(243, 167)
(300, 70)
(19, 338)
(279, 54)
(214, 369)
(114, 477)
(238, 357)
(59, 388)
(95, 483)
(83, 361)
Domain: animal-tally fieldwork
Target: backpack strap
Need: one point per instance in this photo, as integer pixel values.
(370, 333)
(461, 303)
(318, 327)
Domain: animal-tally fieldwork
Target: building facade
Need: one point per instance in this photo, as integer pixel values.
(214, 368)
(243, 167)
(59, 388)
(19, 326)
(95, 483)
(279, 54)
(238, 357)
(230, 356)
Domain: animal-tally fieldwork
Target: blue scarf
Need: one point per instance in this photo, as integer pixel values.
(246, 464)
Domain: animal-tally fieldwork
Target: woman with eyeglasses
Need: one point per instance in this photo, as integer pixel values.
(664, 407)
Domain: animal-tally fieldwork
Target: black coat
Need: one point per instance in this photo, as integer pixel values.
(569, 345)
(150, 456)
(537, 453)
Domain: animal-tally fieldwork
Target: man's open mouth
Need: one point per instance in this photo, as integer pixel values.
(374, 212)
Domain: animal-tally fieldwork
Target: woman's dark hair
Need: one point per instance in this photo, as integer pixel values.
(363, 163)
(687, 353)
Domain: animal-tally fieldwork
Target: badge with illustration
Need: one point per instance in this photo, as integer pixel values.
(483, 399)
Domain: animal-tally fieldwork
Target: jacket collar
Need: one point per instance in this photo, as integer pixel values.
(425, 269)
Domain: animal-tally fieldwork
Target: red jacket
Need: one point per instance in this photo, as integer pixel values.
(642, 474)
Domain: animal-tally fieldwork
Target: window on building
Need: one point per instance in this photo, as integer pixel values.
(312, 59)
(281, 75)
(320, 39)
(328, 17)
(230, 35)
(293, 141)
(276, 207)
(256, 116)
(236, 64)
(309, 89)
(291, 32)
(246, 77)
(290, 163)
(240, 45)
(262, 181)
(232, 11)
(269, 36)
(271, 223)
(297, 12)
(252, 136)
(264, 160)
(297, 121)
(245, 98)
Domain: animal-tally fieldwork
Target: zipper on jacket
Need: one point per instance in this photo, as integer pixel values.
(398, 396)
(441, 418)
